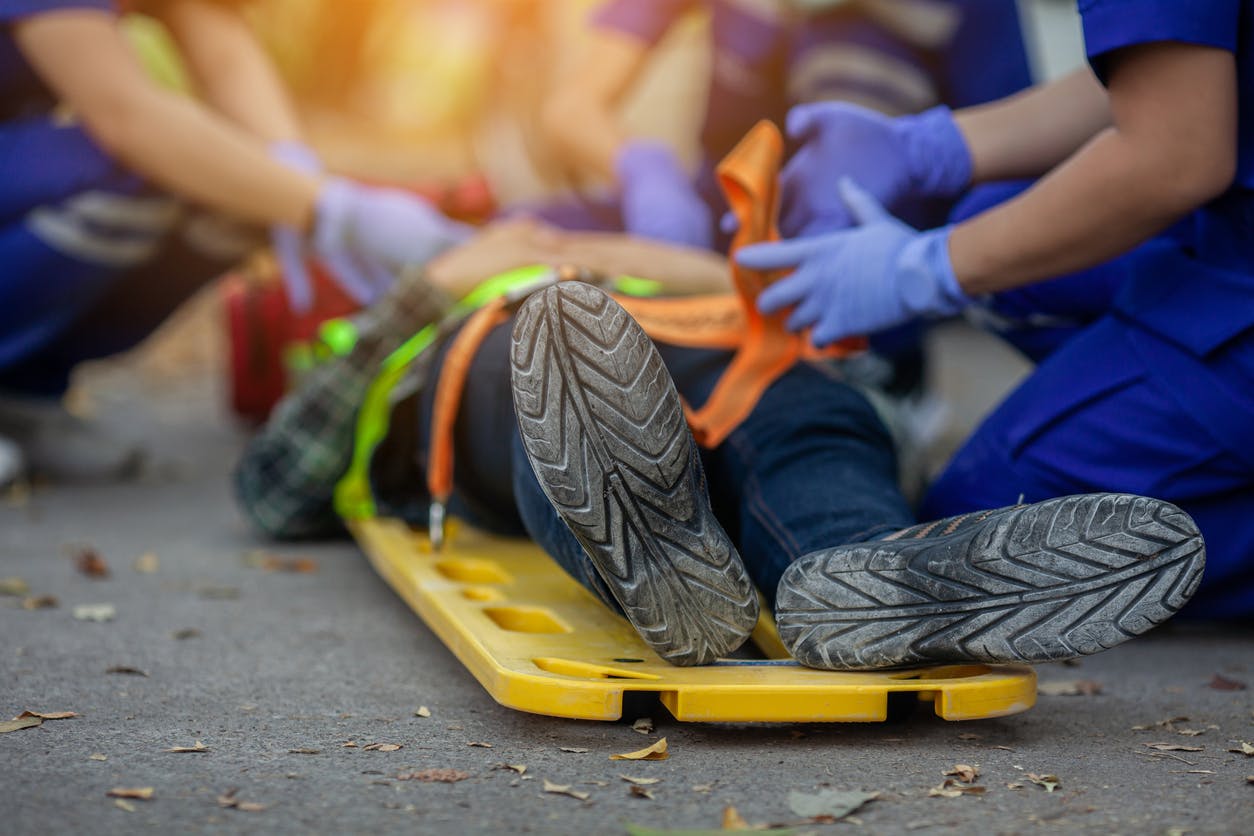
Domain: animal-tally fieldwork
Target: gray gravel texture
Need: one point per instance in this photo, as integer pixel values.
(311, 661)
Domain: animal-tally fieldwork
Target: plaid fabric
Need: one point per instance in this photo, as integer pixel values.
(286, 478)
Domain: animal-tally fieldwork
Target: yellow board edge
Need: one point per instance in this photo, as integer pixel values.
(539, 642)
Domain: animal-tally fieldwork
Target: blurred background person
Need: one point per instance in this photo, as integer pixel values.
(122, 196)
(894, 56)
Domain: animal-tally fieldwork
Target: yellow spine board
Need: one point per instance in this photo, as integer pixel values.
(539, 642)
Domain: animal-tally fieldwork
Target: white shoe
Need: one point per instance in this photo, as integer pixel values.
(61, 446)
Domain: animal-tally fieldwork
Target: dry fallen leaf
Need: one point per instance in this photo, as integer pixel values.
(564, 789)
(142, 793)
(520, 768)
(431, 776)
(1049, 782)
(1190, 732)
(828, 805)
(123, 804)
(732, 820)
(126, 670)
(229, 801)
(89, 562)
(644, 725)
(640, 792)
(95, 612)
(147, 563)
(19, 723)
(478, 744)
(964, 772)
(98, 757)
(1014, 786)
(1168, 723)
(702, 788)
(574, 750)
(40, 602)
(641, 781)
(198, 746)
(381, 747)
(1070, 688)
(952, 789)
(655, 752)
(1223, 683)
(1246, 749)
(47, 715)
(422, 711)
(297, 565)
(969, 736)
(350, 744)
(1173, 747)
(14, 586)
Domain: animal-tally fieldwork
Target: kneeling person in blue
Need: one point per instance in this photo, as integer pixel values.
(1127, 270)
(121, 197)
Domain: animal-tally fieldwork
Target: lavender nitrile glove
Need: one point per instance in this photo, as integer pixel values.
(658, 199)
(287, 242)
(373, 233)
(923, 155)
(862, 280)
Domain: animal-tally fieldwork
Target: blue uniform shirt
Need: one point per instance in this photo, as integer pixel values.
(768, 57)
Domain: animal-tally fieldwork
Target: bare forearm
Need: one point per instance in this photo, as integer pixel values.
(1029, 134)
(682, 270)
(1090, 210)
(589, 137)
(1171, 148)
(173, 141)
(234, 75)
(515, 243)
(186, 150)
(582, 119)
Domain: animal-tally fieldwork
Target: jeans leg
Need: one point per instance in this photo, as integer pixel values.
(812, 467)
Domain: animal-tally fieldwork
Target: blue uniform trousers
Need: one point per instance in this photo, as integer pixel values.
(1145, 385)
(93, 259)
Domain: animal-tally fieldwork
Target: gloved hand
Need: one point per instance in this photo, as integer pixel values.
(367, 235)
(923, 155)
(658, 199)
(287, 242)
(862, 280)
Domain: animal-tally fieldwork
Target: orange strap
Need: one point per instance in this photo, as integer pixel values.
(749, 176)
(448, 395)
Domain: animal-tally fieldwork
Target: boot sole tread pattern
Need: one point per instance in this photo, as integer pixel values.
(1104, 568)
(604, 430)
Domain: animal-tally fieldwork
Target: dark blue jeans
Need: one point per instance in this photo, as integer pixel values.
(812, 467)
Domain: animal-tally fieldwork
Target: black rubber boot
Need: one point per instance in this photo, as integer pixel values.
(1031, 583)
(604, 430)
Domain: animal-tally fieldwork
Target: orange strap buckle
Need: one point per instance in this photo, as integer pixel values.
(765, 349)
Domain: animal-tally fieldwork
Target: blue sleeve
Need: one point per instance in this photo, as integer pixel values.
(1110, 25)
(647, 20)
(11, 10)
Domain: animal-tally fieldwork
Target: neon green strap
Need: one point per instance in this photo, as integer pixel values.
(353, 497)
